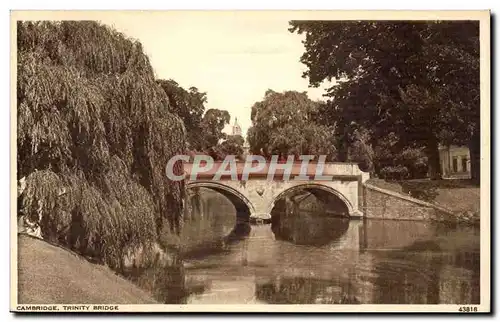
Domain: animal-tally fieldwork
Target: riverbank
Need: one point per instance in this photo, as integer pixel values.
(460, 197)
(51, 274)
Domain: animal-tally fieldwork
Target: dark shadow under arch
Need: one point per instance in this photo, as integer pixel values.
(241, 204)
(310, 227)
(323, 193)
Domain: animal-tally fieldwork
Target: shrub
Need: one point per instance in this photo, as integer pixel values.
(398, 172)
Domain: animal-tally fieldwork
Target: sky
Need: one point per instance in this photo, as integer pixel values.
(232, 56)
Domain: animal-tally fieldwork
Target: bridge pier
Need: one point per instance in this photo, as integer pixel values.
(261, 218)
(356, 214)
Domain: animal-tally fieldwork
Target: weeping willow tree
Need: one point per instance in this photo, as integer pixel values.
(94, 136)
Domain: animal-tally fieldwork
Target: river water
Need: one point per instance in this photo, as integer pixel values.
(311, 258)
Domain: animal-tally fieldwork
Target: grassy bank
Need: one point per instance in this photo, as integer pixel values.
(51, 274)
(458, 196)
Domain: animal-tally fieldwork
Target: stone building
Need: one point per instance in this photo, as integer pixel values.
(455, 162)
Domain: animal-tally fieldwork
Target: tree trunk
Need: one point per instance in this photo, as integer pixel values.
(475, 157)
(343, 153)
(432, 152)
(343, 149)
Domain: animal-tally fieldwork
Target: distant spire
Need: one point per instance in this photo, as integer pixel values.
(236, 127)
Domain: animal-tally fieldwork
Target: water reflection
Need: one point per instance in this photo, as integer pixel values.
(425, 277)
(300, 290)
(307, 228)
(314, 258)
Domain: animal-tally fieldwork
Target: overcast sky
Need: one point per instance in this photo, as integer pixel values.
(233, 56)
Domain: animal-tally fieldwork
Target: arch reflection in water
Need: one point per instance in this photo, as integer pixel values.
(309, 217)
(213, 221)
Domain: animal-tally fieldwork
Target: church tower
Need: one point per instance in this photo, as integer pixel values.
(236, 128)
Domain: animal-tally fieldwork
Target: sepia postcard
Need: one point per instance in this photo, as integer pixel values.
(250, 161)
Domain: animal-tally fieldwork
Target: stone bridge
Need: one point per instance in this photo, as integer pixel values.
(257, 195)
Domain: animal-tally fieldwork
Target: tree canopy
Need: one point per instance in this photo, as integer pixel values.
(204, 128)
(285, 124)
(233, 145)
(189, 105)
(418, 81)
(212, 124)
(94, 134)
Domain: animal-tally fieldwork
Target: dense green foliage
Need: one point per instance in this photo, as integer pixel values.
(94, 135)
(233, 145)
(189, 105)
(418, 82)
(204, 128)
(285, 124)
(212, 124)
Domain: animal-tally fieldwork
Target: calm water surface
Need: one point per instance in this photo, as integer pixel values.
(312, 258)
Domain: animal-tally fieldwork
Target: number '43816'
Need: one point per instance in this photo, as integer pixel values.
(468, 309)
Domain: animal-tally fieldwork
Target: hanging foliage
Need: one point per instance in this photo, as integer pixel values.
(94, 136)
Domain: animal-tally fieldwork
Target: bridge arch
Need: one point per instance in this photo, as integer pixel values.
(312, 187)
(243, 206)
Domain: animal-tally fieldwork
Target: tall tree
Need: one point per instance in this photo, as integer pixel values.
(285, 124)
(212, 125)
(418, 80)
(94, 132)
(204, 129)
(189, 105)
